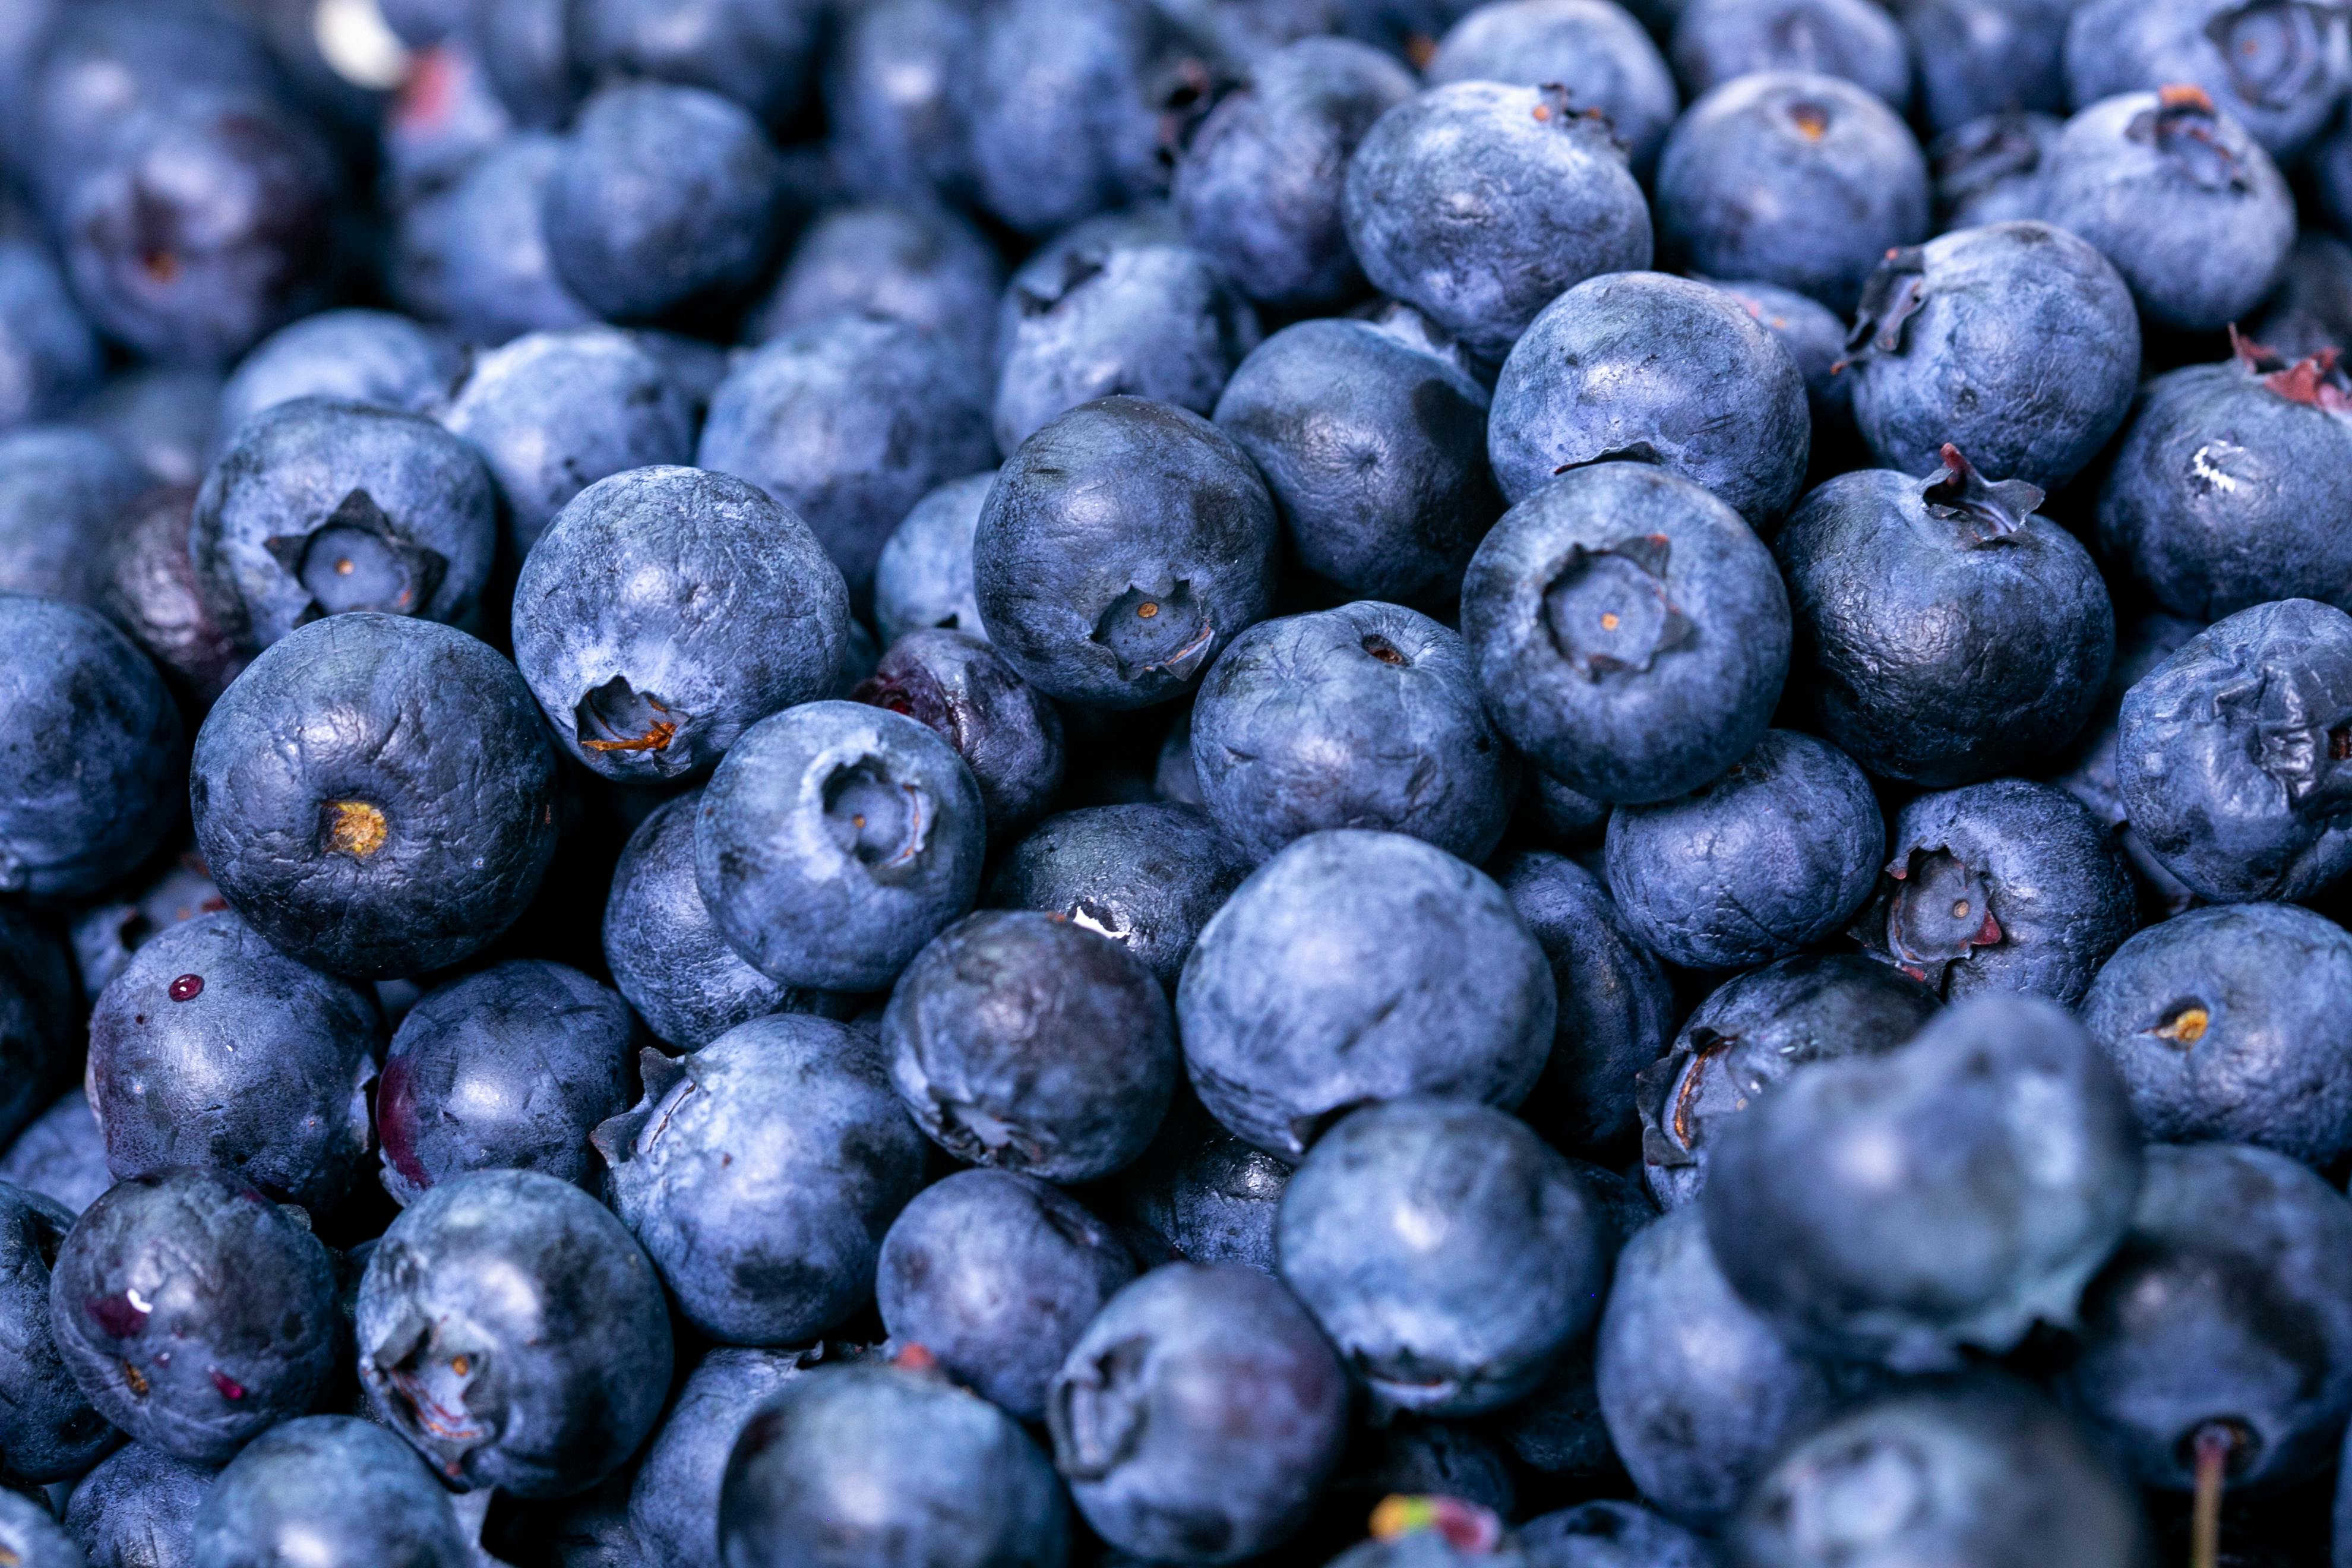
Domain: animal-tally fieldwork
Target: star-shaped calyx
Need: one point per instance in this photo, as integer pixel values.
(1896, 291)
(1941, 910)
(1984, 510)
(2186, 130)
(1608, 611)
(358, 560)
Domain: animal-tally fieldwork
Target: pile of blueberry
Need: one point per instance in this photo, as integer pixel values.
(1081, 784)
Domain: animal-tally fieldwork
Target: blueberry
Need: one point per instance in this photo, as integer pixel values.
(1944, 631)
(212, 1048)
(1752, 1032)
(674, 1499)
(1146, 876)
(2231, 756)
(49, 354)
(1794, 178)
(2006, 887)
(1595, 49)
(160, 417)
(834, 841)
(194, 1312)
(994, 1275)
(29, 1533)
(138, 1510)
(665, 612)
(86, 706)
(1700, 1392)
(1449, 1254)
(1121, 604)
(1007, 732)
(319, 508)
(1900, 1206)
(149, 587)
(1977, 58)
(1612, 1535)
(514, 1334)
(1980, 1470)
(404, 835)
(553, 412)
(1813, 337)
(60, 1154)
(1989, 169)
(1616, 1006)
(1853, 40)
(2174, 192)
(475, 255)
(2311, 310)
(2224, 1023)
(1373, 439)
(2277, 69)
(662, 195)
(864, 1467)
(372, 357)
(849, 421)
(1357, 966)
(761, 1173)
(1198, 1195)
(756, 53)
(1198, 1416)
(916, 263)
(896, 97)
(2224, 1307)
(1365, 716)
(2091, 776)
(64, 491)
(1958, 338)
(1259, 186)
(1630, 632)
(340, 1491)
(924, 575)
(1024, 1041)
(1478, 203)
(47, 1430)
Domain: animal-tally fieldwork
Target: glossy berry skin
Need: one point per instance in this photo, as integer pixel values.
(2005, 887)
(1449, 1253)
(88, 706)
(1356, 966)
(1259, 186)
(922, 579)
(995, 1275)
(509, 1068)
(2224, 1023)
(1585, 386)
(2277, 70)
(1024, 1041)
(1977, 58)
(194, 1313)
(64, 494)
(915, 262)
(2013, 315)
(864, 1466)
(2226, 1303)
(320, 508)
(1630, 632)
(834, 841)
(1680, 1355)
(1607, 1534)
(138, 1510)
(1198, 1416)
(1535, 194)
(2187, 205)
(514, 1334)
(1945, 632)
(1006, 732)
(1794, 178)
(661, 194)
(475, 254)
(1853, 40)
(2231, 754)
(759, 1174)
(665, 612)
(342, 1490)
(1124, 604)
(1989, 169)
(1200, 1195)
(1373, 439)
(29, 1532)
(673, 1508)
(1602, 57)
(1147, 875)
(372, 357)
(1980, 1470)
(48, 1431)
(1838, 1207)
(1752, 1033)
(408, 835)
(60, 1154)
(212, 1048)
(1768, 859)
(1364, 716)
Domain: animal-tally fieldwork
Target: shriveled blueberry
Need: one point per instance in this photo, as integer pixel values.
(65, 493)
(1853, 40)
(341, 1491)
(512, 1332)
(834, 841)
(2278, 68)
(138, 1510)
(755, 52)
(1200, 1194)
(994, 1275)
(214, 1048)
(60, 1154)
(49, 354)
(1752, 1032)
(1478, 203)
(475, 255)
(1989, 169)
(1977, 58)
(195, 1312)
(1447, 1251)
(860, 1466)
(410, 823)
(2234, 755)
(923, 577)
(1120, 551)
(761, 1173)
(1357, 966)
(1612, 1535)
(1006, 732)
(29, 1532)
(1591, 48)
(1630, 632)
(1950, 1194)
(1198, 1416)
(667, 610)
(48, 1432)
(674, 1499)
(149, 589)
(896, 94)
(371, 357)
(913, 262)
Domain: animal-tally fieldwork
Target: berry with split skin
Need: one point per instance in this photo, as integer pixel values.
(1147, 875)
